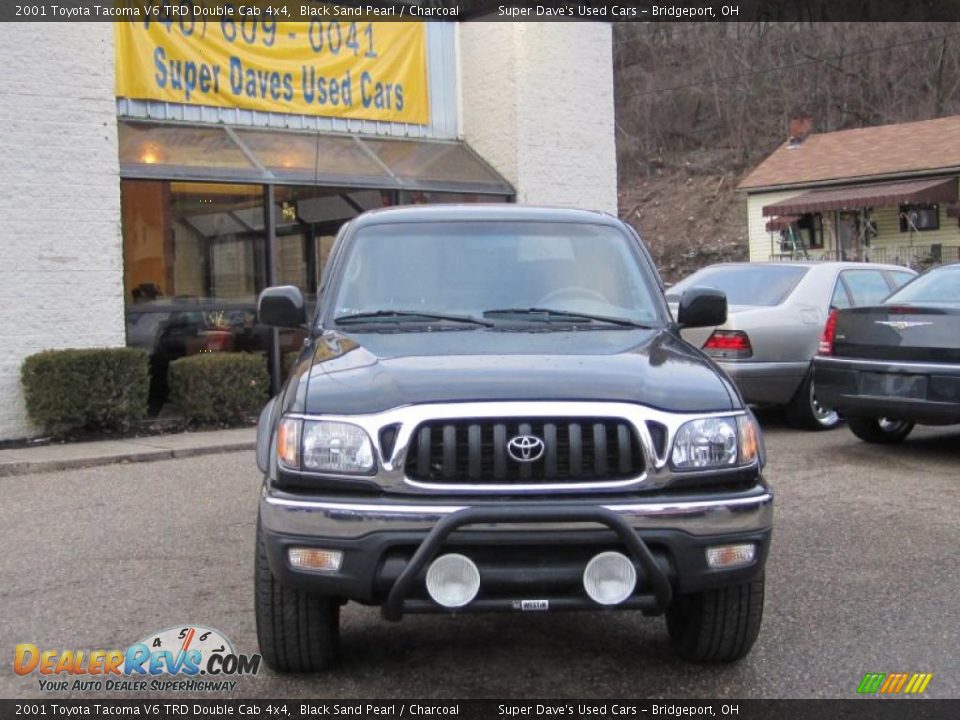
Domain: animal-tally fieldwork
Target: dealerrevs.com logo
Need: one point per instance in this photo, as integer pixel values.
(184, 658)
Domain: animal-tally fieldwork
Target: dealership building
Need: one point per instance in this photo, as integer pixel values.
(154, 178)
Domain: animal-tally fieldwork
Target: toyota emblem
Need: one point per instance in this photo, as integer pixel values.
(525, 448)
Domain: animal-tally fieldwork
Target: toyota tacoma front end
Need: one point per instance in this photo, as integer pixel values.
(494, 412)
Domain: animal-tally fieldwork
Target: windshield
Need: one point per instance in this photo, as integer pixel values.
(766, 285)
(403, 271)
(941, 285)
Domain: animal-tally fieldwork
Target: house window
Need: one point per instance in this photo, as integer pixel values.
(919, 217)
(811, 227)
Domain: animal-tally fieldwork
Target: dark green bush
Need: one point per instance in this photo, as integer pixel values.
(219, 388)
(78, 391)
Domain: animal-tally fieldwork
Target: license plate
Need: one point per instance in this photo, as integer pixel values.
(913, 387)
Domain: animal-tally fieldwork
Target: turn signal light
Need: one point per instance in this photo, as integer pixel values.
(731, 556)
(288, 442)
(749, 438)
(728, 344)
(829, 332)
(315, 559)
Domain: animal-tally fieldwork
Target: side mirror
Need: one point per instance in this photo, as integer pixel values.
(702, 307)
(281, 306)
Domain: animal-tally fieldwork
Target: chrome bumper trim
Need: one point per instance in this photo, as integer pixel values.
(344, 520)
(890, 366)
(391, 475)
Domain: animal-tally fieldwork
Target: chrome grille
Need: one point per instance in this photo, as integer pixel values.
(475, 451)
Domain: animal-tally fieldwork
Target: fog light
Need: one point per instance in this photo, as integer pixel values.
(731, 556)
(453, 580)
(315, 559)
(609, 578)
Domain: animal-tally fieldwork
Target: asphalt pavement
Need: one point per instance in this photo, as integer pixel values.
(863, 577)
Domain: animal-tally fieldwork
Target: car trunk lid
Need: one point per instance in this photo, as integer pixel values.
(918, 333)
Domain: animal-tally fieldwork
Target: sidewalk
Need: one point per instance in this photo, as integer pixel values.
(48, 458)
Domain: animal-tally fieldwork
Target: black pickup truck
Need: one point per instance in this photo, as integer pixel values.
(494, 412)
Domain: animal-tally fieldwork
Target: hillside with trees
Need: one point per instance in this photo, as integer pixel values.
(699, 105)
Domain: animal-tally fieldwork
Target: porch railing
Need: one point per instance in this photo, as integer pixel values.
(917, 257)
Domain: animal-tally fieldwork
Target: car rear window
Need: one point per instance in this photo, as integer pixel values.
(744, 285)
(940, 285)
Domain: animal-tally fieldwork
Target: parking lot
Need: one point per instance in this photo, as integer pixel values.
(863, 577)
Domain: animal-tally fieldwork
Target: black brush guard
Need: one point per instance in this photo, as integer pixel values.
(398, 603)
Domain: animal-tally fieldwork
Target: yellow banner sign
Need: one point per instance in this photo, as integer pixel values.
(363, 70)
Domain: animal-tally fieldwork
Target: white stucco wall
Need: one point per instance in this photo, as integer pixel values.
(537, 103)
(61, 280)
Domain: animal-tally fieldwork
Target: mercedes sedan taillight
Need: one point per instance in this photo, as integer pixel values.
(728, 345)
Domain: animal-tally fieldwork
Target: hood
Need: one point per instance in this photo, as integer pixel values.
(360, 373)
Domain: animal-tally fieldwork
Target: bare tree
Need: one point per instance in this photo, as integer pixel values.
(728, 89)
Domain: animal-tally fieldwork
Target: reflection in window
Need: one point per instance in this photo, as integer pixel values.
(192, 241)
(308, 219)
(196, 256)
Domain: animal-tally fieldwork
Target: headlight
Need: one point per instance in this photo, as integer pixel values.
(706, 443)
(324, 446)
(336, 447)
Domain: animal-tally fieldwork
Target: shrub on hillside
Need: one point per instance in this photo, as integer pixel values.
(89, 390)
(219, 388)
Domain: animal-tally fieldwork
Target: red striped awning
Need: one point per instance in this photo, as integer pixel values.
(782, 222)
(855, 197)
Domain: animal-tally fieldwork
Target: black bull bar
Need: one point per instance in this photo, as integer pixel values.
(398, 603)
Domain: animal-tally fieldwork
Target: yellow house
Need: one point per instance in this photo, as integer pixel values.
(880, 194)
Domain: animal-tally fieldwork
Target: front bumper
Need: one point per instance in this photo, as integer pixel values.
(766, 383)
(524, 549)
(912, 391)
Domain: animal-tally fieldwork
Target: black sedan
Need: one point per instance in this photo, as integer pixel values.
(891, 366)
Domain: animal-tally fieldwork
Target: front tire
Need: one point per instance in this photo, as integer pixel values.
(298, 632)
(882, 431)
(806, 413)
(717, 625)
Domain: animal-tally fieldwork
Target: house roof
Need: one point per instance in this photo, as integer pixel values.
(861, 154)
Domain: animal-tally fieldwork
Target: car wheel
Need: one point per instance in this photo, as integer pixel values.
(880, 430)
(717, 625)
(297, 631)
(805, 412)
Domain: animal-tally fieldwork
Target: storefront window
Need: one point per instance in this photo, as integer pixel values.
(419, 197)
(308, 219)
(192, 242)
(213, 215)
(194, 261)
(196, 256)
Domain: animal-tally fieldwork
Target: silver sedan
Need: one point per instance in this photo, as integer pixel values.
(776, 315)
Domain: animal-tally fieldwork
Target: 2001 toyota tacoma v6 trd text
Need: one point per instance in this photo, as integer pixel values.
(494, 411)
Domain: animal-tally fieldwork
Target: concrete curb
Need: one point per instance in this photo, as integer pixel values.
(53, 458)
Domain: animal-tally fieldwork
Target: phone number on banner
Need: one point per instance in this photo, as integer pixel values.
(335, 37)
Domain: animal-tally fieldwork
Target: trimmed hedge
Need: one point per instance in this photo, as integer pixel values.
(219, 388)
(92, 390)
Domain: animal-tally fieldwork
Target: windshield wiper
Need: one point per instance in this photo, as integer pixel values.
(547, 314)
(363, 317)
